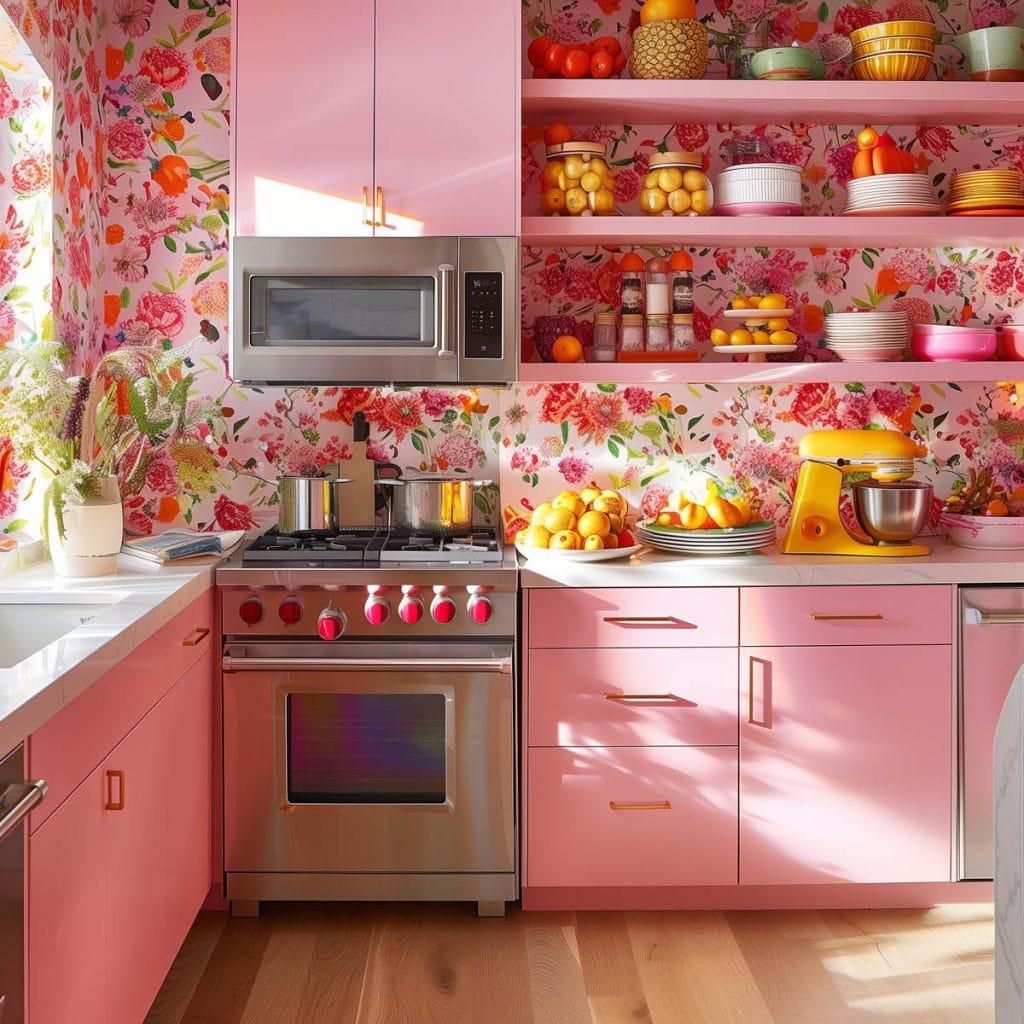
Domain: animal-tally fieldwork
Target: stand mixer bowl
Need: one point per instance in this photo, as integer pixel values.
(892, 513)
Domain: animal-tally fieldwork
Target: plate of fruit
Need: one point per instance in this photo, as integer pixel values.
(765, 327)
(980, 513)
(717, 526)
(582, 526)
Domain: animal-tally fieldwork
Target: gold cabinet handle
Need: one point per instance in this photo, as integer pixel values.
(112, 804)
(630, 698)
(819, 617)
(646, 620)
(196, 637)
(366, 208)
(378, 208)
(645, 805)
(765, 721)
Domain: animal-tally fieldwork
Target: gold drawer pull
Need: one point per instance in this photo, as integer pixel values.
(628, 698)
(819, 617)
(112, 804)
(197, 636)
(646, 620)
(649, 805)
(366, 208)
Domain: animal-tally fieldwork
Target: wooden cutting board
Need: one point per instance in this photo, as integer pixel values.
(357, 506)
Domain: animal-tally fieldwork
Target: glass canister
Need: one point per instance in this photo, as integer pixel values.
(605, 337)
(631, 333)
(683, 339)
(577, 180)
(749, 149)
(657, 289)
(658, 337)
(676, 184)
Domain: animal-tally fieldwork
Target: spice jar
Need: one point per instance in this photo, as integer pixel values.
(577, 180)
(605, 337)
(631, 333)
(656, 287)
(681, 267)
(632, 267)
(657, 337)
(683, 339)
(676, 184)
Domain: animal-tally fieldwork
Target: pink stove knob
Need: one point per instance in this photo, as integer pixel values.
(480, 609)
(250, 611)
(442, 609)
(410, 611)
(377, 610)
(290, 610)
(331, 623)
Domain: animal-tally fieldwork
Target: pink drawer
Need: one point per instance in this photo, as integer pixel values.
(632, 816)
(622, 698)
(655, 617)
(813, 616)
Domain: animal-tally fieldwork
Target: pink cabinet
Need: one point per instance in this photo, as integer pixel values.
(845, 764)
(396, 118)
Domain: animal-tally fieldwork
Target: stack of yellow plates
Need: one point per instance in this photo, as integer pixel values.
(986, 193)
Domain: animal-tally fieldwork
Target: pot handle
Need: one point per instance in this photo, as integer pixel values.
(482, 483)
(394, 473)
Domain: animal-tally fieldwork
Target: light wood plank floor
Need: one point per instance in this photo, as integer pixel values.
(440, 964)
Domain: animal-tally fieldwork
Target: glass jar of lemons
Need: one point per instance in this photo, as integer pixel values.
(577, 180)
(676, 184)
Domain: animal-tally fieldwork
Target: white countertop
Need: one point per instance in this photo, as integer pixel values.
(948, 563)
(143, 599)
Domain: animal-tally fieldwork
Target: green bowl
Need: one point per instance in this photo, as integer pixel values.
(787, 63)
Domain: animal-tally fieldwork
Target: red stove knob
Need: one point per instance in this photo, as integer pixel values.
(480, 609)
(377, 610)
(410, 611)
(250, 611)
(330, 624)
(442, 609)
(290, 610)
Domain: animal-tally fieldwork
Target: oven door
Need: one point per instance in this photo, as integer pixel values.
(330, 311)
(369, 757)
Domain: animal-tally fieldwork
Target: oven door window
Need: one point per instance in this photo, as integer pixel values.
(340, 312)
(366, 748)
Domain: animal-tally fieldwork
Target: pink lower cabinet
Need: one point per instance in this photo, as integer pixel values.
(621, 816)
(845, 764)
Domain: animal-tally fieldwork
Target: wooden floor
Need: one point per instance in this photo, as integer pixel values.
(439, 963)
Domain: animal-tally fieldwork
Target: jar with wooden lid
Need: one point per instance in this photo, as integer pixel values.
(577, 180)
(683, 339)
(676, 185)
(605, 337)
(657, 336)
(631, 333)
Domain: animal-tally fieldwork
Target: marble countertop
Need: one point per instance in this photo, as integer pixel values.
(948, 563)
(123, 610)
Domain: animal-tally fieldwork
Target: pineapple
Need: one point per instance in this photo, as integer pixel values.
(670, 49)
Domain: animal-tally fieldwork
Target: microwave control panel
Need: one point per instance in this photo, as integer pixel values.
(483, 298)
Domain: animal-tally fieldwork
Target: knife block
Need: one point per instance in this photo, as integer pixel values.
(357, 506)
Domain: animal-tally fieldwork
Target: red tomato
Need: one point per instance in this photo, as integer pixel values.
(601, 64)
(553, 59)
(536, 50)
(540, 73)
(576, 64)
(620, 63)
(609, 44)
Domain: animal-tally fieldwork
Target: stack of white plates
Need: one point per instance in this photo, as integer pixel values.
(895, 195)
(731, 541)
(866, 337)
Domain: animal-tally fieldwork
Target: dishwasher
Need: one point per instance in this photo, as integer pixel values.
(17, 798)
(991, 653)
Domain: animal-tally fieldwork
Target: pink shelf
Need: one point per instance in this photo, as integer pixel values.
(908, 232)
(612, 101)
(768, 373)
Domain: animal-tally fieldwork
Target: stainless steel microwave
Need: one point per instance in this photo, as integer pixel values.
(375, 310)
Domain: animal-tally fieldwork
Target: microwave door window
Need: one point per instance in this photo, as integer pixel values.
(366, 748)
(349, 312)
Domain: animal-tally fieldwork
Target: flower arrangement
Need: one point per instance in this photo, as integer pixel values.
(82, 429)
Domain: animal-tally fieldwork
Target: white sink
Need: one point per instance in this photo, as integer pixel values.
(31, 621)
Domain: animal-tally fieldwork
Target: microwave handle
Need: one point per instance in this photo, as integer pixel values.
(446, 279)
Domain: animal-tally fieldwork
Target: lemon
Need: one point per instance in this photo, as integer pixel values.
(741, 337)
(590, 182)
(598, 165)
(608, 180)
(779, 323)
(761, 338)
(552, 170)
(651, 181)
(653, 200)
(719, 337)
(782, 338)
(602, 201)
(694, 181)
(576, 200)
(700, 201)
(553, 200)
(679, 200)
(772, 302)
(739, 302)
(573, 167)
(669, 179)
(753, 301)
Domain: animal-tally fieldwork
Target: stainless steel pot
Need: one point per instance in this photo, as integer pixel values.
(309, 504)
(892, 513)
(433, 504)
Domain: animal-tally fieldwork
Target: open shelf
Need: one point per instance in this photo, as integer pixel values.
(614, 101)
(768, 373)
(878, 232)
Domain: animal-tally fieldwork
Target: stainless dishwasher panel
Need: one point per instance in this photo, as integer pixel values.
(991, 652)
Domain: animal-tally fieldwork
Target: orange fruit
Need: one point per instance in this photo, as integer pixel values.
(594, 524)
(862, 165)
(567, 349)
(556, 133)
(667, 10)
(867, 139)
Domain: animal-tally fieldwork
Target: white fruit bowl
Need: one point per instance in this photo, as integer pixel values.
(556, 555)
(991, 532)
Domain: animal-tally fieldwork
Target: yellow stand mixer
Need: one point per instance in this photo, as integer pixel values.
(815, 526)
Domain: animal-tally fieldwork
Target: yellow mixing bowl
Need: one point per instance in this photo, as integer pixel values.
(908, 44)
(892, 67)
(892, 28)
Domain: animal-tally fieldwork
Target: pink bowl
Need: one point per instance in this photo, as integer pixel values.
(1012, 341)
(939, 343)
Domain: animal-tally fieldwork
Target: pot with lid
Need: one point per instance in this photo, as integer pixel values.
(309, 504)
(435, 504)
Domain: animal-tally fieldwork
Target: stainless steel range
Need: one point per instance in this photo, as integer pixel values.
(370, 719)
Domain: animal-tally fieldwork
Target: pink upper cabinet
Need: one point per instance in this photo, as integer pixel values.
(447, 115)
(303, 118)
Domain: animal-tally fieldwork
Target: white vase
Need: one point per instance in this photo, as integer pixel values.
(92, 534)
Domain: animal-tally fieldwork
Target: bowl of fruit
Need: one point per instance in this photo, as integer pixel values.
(584, 526)
(980, 513)
(715, 526)
(763, 327)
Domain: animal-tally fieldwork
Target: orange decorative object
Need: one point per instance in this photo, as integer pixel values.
(867, 139)
(111, 308)
(667, 10)
(114, 234)
(886, 160)
(862, 164)
(113, 61)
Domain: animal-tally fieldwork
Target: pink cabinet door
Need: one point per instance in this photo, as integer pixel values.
(447, 117)
(136, 962)
(187, 778)
(845, 764)
(303, 117)
(67, 931)
(633, 697)
(621, 816)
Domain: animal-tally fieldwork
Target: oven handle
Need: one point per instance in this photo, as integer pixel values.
(446, 279)
(243, 664)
